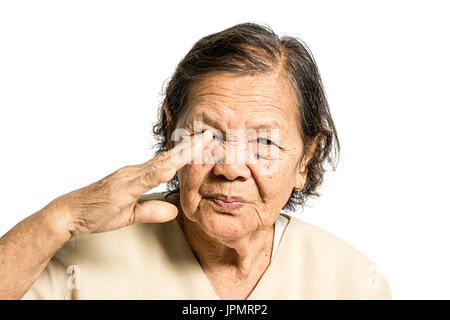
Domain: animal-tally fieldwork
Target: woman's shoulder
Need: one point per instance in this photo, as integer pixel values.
(332, 256)
(315, 237)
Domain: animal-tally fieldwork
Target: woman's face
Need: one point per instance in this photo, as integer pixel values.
(245, 163)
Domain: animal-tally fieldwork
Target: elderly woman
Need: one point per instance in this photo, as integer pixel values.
(244, 132)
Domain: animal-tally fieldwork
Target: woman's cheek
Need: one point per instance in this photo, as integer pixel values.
(192, 176)
(273, 175)
(184, 175)
(264, 160)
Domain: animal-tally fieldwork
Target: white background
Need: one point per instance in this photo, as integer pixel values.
(80, 84)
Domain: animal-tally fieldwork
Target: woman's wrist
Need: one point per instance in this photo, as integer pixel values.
(55, 222)
(27, 248)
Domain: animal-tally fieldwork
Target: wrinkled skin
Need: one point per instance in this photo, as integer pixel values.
(241, 240)
(233, 248)
(106, 205)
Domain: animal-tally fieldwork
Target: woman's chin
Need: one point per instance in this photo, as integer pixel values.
(223, 226)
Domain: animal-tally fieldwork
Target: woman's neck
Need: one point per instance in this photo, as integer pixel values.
(239, 259)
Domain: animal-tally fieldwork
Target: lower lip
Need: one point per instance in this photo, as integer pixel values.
(228, 205)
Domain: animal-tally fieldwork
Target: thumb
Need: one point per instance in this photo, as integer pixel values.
(154, 211)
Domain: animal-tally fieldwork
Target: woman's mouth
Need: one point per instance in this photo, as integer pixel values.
(228, 205)
(226, 202)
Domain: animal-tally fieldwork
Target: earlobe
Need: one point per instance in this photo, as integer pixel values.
(300, 181)
(300, 178)
(309, 154)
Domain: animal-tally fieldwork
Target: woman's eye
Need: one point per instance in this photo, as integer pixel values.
(216, 137)
(198, 132)
(267, 141)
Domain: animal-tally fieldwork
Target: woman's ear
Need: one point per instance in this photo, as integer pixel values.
(169, 120)
(167, 112)
(309, 154)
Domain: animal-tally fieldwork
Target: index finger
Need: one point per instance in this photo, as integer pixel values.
(183, 153)
(161, 169)
(189, 150)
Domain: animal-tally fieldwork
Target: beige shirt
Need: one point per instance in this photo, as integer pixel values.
(154, 261)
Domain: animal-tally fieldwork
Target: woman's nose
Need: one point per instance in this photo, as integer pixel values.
(231, 162)
(232, 171)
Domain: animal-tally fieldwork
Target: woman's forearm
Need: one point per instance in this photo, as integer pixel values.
(27, 248)
(105, 205)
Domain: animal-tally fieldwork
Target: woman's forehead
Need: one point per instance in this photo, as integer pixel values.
(262, 87)
(250, 97)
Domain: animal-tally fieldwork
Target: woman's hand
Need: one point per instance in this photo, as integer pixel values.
(111, 203)
(105, 205)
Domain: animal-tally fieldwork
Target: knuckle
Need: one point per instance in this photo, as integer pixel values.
(110, 185)
(148, 178)
(159, 163)
(105, 188)
(156, 176)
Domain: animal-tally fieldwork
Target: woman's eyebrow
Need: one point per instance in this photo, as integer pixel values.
(210, 120)
(270, 123)
(264, 124)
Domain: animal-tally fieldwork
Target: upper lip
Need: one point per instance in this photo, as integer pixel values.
(227, 198)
